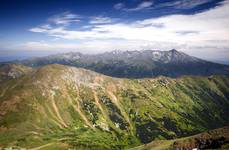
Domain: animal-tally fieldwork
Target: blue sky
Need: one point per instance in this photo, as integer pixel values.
(41, 27)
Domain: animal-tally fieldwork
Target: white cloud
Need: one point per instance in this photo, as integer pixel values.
(38, 29)
(207, 26)
(100, 20)
(46, 26)
(183, 4)
(94, 46)
(180, 4)
(64, 18)
(57, 23)
(143, 5)
(204, 31)
(119, 6)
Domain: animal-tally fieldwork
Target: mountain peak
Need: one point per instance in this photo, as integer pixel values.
(174, 51)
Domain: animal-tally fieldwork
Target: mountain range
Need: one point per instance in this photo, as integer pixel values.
(62, 107)
(135, 64)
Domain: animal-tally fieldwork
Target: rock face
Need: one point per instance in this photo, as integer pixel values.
(136, 64)
(67, 107)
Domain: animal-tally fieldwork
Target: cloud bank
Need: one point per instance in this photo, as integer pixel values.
(195, 34)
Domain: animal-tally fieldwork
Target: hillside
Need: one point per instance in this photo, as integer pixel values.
(135, 64)
(9, 71)
(213, 139)
(62, 107)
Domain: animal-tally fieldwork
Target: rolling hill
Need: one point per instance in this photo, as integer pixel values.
(135, 64)
(61, 107)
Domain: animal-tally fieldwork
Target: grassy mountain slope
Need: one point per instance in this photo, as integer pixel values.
(213, 139)
(66, 107)
(9, 71)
